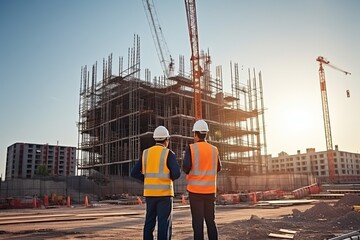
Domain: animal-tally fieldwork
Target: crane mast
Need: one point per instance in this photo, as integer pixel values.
(166, 61)
(326, 115)
(195, 55)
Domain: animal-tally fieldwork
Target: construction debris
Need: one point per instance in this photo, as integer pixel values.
(18, 203)
(234, 198)
(282, 236)
(286, 234)
(287, 231)
(307, 191)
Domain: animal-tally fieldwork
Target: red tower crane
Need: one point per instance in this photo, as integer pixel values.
(325, 108)
(195, 56)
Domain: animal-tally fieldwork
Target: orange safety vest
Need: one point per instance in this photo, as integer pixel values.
(157, 181)
(202, 176)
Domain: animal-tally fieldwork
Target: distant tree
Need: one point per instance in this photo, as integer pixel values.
(42, 170)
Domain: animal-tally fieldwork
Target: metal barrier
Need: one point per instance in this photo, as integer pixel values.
(355, 235)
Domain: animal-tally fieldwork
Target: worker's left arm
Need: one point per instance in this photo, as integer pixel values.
(136, 171)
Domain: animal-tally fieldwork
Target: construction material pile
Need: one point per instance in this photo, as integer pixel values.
(325, 211)
(322, 221)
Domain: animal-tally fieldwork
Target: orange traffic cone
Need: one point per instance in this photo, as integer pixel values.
(254, 198)
(139, 200)
(86, 202)
(34, 202)
(183, 199)
(46, 200)
(68, 201)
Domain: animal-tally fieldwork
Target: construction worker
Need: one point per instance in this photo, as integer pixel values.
(158, 168)
(201, 163)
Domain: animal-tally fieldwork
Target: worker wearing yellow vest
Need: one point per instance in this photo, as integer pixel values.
(158, 168)
(201, 163)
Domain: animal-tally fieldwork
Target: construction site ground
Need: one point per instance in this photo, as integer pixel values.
(318, 219)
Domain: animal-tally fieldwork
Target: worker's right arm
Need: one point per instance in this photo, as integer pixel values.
(187, 160)
(172, 164)
(136, 171)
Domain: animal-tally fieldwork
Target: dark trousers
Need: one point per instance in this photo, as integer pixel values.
(203, 207)
(160, 208)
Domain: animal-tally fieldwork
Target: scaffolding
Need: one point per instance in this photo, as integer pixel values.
(118, 114)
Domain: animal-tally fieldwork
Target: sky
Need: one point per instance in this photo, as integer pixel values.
(44, 44)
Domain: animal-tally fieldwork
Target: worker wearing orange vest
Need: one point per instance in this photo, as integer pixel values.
(158, 168)
(201, 163)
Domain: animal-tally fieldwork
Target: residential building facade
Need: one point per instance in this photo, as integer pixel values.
(347, 164)
(23, 160)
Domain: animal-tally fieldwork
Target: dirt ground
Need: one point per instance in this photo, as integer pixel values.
(320, 220)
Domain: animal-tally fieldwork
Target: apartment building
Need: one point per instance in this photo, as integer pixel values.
(23, 159)
(347, 164)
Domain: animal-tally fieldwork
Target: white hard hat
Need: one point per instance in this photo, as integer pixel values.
(161, 133)
(200, 126)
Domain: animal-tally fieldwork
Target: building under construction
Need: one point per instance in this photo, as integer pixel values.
(118, 114)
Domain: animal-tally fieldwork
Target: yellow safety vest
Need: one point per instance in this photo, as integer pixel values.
(202, 176)
(157, 181)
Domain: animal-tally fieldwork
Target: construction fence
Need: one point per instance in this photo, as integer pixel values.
(78, 187)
